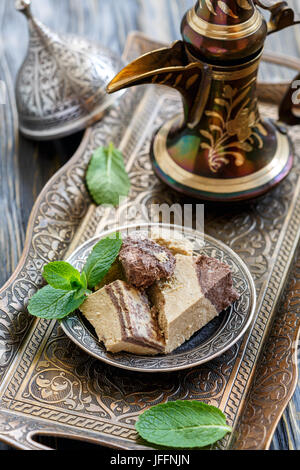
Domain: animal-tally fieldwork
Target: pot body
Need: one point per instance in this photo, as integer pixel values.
(219, 148)
(231, 153)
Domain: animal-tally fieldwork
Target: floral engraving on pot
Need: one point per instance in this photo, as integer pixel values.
(245, 126)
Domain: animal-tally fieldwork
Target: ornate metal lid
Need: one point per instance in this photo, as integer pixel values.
(60, 87)
(220, 30)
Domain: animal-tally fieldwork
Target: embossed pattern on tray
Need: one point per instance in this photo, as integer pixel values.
(99, 402)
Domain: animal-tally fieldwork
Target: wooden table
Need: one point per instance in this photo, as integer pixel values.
(26, 166)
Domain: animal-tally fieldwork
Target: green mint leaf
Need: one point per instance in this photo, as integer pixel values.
(55, 304)
(82, 292)
(62, 275)
(83, 280)
(106, 177)
(182, 424)
(101, 258)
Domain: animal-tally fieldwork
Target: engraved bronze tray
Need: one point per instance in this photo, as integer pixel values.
(49, 386)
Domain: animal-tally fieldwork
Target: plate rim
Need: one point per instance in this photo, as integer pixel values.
(230, 251)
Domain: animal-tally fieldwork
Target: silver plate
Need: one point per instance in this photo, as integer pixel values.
(210, 342)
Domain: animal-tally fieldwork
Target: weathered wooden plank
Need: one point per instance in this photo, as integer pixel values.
(11, 235)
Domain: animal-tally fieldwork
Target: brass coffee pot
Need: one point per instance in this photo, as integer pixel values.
(219, 148)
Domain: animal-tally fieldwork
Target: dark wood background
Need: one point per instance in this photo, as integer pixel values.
(26, 166)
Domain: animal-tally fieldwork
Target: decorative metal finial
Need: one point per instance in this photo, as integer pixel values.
(61, 86)
(24, 6)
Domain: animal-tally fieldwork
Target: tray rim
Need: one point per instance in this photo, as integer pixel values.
(21, 264)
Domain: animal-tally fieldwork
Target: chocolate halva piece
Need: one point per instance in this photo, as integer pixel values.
(123, 320)
(200, 288)
(145, 261)
(215, 279)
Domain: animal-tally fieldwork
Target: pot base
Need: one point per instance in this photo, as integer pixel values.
(220, 189)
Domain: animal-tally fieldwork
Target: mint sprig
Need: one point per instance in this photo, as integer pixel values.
(67, 288)
(106, 178)
(55, 304)
(182, 424)
(62, 275)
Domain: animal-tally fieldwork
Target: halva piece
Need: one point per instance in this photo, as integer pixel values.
(174, 241)
(144, 261)
(200, 288)
(123, 320)
(115, 273)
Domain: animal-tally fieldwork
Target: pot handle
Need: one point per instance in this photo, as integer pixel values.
(282, 16)
(289, 110)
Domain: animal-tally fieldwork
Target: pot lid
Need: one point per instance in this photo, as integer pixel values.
(60, 87)
(224, 30)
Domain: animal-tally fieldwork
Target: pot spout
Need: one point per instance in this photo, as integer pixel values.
(152, 65)
(170, 66)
